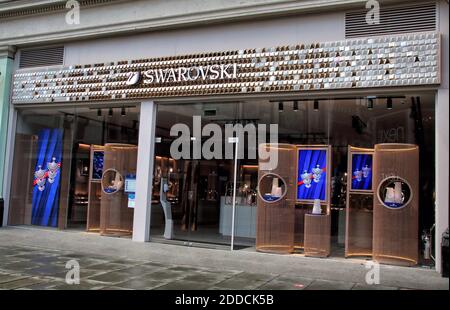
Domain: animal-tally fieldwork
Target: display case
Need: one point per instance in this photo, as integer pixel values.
(276, 199)
(313, 193)
(116, 217)
(359, 210)
(396, 204)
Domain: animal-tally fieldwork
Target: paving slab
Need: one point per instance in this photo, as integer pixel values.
(140, 284)
(24, 282)
(42, 254)
(184, 285)
(367, 287)
(329, 285)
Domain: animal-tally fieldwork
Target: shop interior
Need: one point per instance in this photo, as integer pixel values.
(199, 191)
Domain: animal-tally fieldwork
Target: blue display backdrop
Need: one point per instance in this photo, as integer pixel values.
(362, 171)
(312, 175)
(97, 165)
(45, 200)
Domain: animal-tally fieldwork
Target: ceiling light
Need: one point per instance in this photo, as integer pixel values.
(370, 103)
(316, 105)
(389, 103)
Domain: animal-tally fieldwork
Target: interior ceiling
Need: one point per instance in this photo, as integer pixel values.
(257, 111)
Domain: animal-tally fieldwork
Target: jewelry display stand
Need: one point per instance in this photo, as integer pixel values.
(299, 237)
(359, 211)
(276, 200)
(396, 204)
(95, 190)
(317, 233)
(116, 218)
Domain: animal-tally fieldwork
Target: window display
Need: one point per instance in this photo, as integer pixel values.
(394, 192)
(312, 174)
(396, 204)
(97, 165)
(361, 172)
(45, 200)
(58, 164)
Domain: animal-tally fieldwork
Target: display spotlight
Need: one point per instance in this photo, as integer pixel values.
(99, 112)
(316, 105)
(110, 112)
(123, 112)
(370, 104)
(280, 106)
(295, 106)
(389, 103)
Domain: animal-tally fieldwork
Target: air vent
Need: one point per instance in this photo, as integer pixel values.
(39, 57)
(399, 19)
(210, 112)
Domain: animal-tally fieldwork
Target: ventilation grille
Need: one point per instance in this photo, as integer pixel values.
(408, 18)
(39, 57)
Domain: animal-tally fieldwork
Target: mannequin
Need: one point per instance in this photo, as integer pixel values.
(168, 230)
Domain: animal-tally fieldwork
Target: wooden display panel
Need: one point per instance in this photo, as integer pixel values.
(22, 180)
(95, 190)
(317, 228)
(115, 216)
(299, 237)
(275, 219)
(395, 229)
(317, 235)
(359, 211)
(359, 225)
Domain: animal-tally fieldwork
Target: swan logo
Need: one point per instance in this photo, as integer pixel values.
(133, 78)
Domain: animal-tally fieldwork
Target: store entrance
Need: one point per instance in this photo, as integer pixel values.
(192, 198)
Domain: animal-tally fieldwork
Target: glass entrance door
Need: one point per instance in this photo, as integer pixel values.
(196, 159)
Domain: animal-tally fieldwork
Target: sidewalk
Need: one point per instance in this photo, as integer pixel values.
(34, 258)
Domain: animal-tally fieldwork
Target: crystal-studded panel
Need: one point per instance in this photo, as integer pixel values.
(400, 60)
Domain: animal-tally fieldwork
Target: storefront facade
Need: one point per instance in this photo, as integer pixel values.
(90, 140)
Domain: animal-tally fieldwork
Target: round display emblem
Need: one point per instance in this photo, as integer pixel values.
(271, 187)
(394, 192)
(112, 181)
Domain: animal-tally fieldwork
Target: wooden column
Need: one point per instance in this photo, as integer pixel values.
(95, 191)
(275, 219)
(359, 211)
(115, 216)
(395, 229)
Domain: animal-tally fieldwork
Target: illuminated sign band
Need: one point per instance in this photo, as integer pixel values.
(396, 60)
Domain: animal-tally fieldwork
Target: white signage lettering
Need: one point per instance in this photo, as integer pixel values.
(183, 74)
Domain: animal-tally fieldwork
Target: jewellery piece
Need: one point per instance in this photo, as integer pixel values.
(398, 193)
(306, 177)
(40, 178)
(52, 170)
(358, 175)
(317, 174)
(389, 198)
(365, 171)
